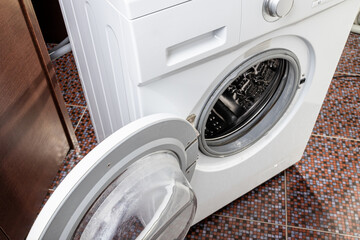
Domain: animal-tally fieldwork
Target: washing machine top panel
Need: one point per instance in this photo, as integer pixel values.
(132, 9)
(134, 184)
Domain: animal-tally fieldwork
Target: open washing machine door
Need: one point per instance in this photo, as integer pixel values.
(133, 185)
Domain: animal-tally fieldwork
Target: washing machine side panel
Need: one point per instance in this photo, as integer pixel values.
(81, 63)
(98, 47)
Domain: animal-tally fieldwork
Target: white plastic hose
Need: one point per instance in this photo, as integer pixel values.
(356, 27)
(59, 50)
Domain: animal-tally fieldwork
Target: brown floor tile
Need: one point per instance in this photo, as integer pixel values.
(265, 203)
(75, 114)
(350, 59)
(219, 227)
(295, 234)
(69, 81)
(67, 165)
(340, 112)
(324, 187)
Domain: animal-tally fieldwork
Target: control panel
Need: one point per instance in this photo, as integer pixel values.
(269, 15)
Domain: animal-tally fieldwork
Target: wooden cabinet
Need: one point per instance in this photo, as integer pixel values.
(35, 131)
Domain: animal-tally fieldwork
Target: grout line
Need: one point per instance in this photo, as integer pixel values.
(321, 231)
(335, 137)
(282, 225)
(348, 74)
(82, 115)
(286, 214)
(74, 105)
(251, 220)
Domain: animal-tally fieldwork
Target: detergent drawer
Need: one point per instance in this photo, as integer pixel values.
(168, 40)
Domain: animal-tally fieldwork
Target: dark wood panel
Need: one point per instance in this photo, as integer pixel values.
(3, 235)
(33, 140)
(48, 68)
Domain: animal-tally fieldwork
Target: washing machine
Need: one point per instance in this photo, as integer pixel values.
(243, 80)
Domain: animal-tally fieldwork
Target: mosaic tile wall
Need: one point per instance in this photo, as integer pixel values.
(317, 198)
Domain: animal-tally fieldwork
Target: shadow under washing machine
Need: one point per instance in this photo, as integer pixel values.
(249, 77)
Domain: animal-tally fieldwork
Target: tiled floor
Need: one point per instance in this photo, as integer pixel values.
(317, 198)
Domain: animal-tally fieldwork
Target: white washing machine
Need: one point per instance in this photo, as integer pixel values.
(249, 77)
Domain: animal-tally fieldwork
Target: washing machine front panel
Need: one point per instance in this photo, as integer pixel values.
(283, 145)
(199, 83)
(133, 184)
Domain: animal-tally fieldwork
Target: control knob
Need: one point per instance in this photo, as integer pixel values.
(276, 9)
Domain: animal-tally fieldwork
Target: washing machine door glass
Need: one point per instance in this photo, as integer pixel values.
(151, 200)
(133, 185)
